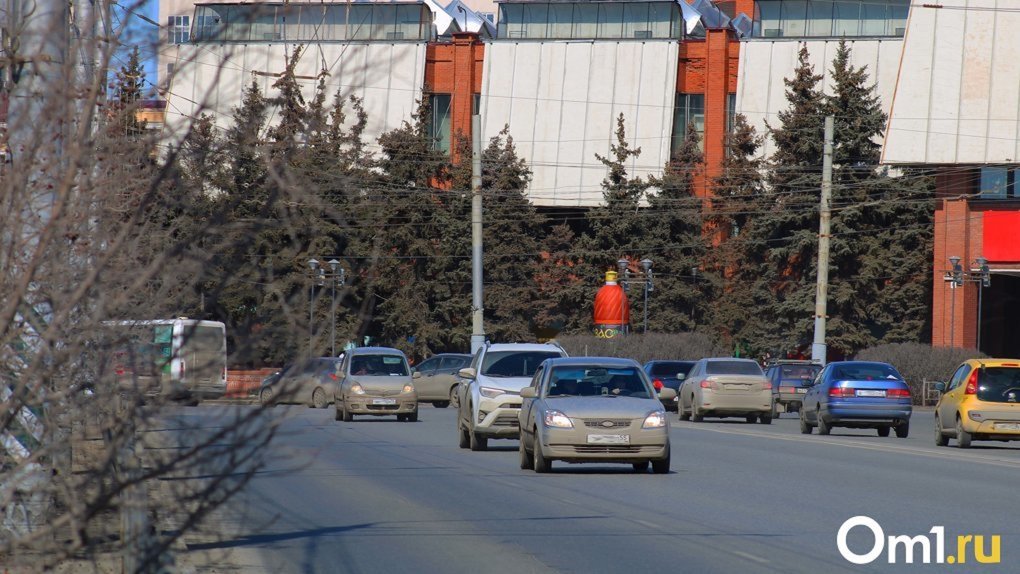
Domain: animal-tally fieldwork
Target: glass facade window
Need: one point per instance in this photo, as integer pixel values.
(312, 22)
(689, 112)
(998, 182)
(589, 21)
(178, 29)
(439, 127)
(731, 111)
(830, 18)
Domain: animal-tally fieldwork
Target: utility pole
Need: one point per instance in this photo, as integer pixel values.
(477, 309)
(818, 350)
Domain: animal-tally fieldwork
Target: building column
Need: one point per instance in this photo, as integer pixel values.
(717, 74)
(467, 58)
(954, 310)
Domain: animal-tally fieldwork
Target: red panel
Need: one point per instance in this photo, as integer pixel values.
(1001, 236)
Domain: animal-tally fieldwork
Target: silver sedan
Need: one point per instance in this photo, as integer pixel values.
(593, 409)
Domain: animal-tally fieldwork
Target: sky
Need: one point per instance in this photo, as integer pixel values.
(132, 15)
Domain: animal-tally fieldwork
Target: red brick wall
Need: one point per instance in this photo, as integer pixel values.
(456, 69)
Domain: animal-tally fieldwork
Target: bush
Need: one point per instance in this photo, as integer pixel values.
(642, 348)
(918, 362)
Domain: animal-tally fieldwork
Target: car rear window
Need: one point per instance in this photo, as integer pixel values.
(865, 372)
(732, 368)
(671, 369)
(999, 384)
(799, 373)
(514, 363)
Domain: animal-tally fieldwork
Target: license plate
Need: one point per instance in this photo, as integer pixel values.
(1007, 426)
(608, 439)
(867, 393)
(802, 391)
(384, 401)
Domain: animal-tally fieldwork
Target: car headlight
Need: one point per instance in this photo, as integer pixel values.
(408, 388)
(655, 420)
(491, 393)
(357, 389)
(558, 420)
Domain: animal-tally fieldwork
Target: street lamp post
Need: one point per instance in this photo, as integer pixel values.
(956, 277)
(624, 279)
(645, 280)
(336, 278)
(313, 265)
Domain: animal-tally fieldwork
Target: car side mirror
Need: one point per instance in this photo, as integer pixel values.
(415, 375)
(528, 393)
(667, 394)
(467, 373)
(940, 387)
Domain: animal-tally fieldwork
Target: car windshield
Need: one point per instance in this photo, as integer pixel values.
(865, 372)
(581, 381)
(379, 365)
(999, 384)
(802, 374)
(670, 368)
(514, 363)
(732, 368)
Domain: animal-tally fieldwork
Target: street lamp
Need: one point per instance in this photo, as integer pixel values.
(336, 278)
(313, 265)
(956, 277)
(645, 280)
(623, 278)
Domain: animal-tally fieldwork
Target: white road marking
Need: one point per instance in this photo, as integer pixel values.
(957, 456)
(750, 557)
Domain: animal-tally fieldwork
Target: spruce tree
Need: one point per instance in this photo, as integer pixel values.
(676, 243)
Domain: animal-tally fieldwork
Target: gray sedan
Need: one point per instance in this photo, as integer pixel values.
(593, 409)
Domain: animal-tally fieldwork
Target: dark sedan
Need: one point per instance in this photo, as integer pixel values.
(668, 375)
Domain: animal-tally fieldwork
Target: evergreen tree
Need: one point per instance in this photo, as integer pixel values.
(128, 91)
(677, 243)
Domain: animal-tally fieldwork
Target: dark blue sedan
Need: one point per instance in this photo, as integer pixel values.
(857, 394)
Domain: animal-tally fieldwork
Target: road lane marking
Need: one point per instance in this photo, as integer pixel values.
(889, 449)
(750, 557)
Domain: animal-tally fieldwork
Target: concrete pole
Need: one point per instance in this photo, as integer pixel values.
(818, 349)
(477, 308)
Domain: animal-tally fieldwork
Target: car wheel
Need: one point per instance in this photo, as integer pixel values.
(540, 463)
(453, 397)
(696, 415)
(266, 398)
(682, 412)
(463, 440)
(661, 466)
(348, 417)
(940, 436)
(823, 427)
(751, 419)
(641, 466)
(441, 404)
(775, 410)
(963, 437)
(903, 430)
(765, 419)
(401, 418)
(319, 399)
(478, 443)
(526, 462)
(805, 428)
(412, 417)
(339, 415)
(883, 431)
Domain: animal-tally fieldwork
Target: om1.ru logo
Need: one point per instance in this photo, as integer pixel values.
(973, 544)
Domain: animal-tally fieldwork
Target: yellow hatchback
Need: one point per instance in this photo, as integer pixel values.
(980, 402)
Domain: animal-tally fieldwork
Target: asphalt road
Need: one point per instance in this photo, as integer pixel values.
(380, 496)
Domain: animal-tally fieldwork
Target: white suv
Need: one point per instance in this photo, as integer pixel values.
(489, 393)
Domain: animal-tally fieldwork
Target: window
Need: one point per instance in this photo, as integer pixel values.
(689, 112)
(439, 128)
(311, 22)
(590, 20)
(830, 18)
(179, 29)
(997, 182)
(731, 111)
(735, 367)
